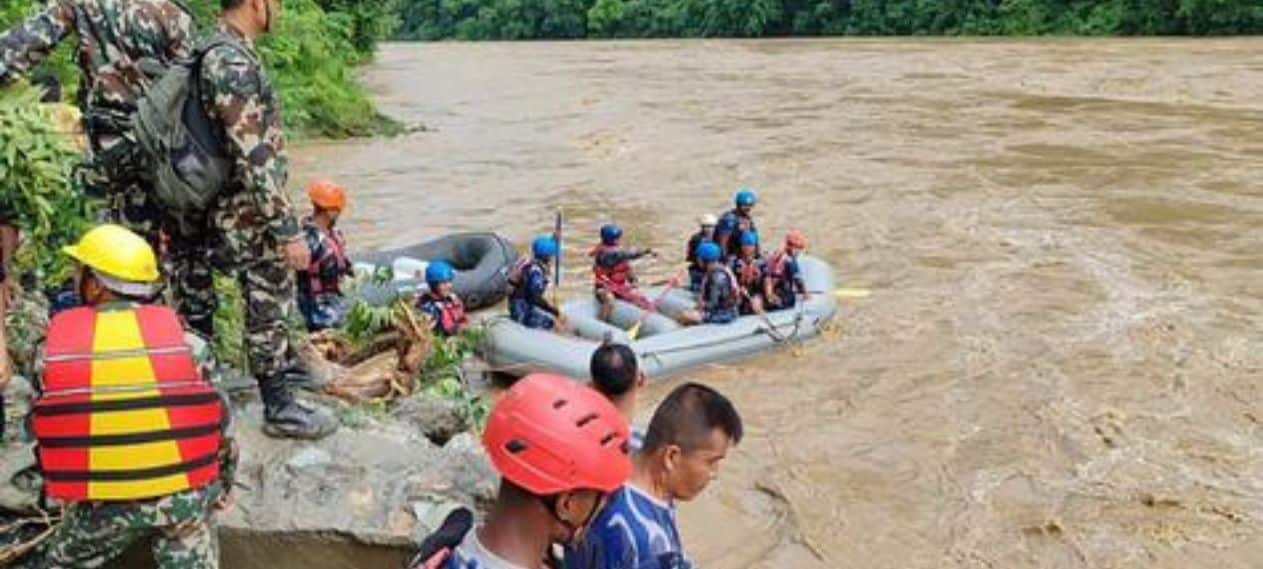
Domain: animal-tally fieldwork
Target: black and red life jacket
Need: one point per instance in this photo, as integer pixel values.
(619, 274)
(324, 274)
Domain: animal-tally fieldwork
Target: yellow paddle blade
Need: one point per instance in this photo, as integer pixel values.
(852, 293)
(633, 331)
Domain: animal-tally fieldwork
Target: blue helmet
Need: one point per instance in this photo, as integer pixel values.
(749, 239)
(745, 197)
(544, 247)
(439, 272)
(611, 233)
(709, 252)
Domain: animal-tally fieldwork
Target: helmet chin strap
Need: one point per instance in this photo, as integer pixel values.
(572, 529)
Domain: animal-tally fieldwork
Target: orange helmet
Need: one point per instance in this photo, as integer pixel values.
(795, 239)
(327, 195)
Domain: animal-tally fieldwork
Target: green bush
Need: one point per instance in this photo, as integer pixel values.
(442, 376)
(37, 164)
(311, 57)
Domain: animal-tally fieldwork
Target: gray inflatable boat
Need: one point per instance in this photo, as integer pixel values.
(482, 262)
(664, 346)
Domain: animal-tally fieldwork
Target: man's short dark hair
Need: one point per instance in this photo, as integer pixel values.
(614, 369)
(688, 416)
(230, 4)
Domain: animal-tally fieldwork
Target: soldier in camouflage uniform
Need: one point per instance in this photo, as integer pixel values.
(117, 38)
(252, 227)
(179, 526)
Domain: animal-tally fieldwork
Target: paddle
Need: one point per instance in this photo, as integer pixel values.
(666, 281)
(671, 284)
(557, 264)
(845, 292)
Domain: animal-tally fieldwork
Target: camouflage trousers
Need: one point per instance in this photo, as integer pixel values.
(191, 279)
(179, 529)
(267, 287)
(133, 208)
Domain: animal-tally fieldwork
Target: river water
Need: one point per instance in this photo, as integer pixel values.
(1060, 364)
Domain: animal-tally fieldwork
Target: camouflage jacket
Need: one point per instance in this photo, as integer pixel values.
(238, 96)
(114, 36)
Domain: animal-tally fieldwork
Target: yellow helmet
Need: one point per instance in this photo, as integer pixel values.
(122, 260)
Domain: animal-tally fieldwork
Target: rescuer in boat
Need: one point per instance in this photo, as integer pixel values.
(320, 297)
(747, 267)
(704, 234)
(528, 282)
(736, 221)
(612, 272)
(444, 307)
(783, 278)
(720, 297)
(130, 430)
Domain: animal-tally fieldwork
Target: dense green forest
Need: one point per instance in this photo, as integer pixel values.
(542, 19)
(312, 58)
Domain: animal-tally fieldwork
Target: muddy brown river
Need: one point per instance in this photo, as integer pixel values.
(1060, 363)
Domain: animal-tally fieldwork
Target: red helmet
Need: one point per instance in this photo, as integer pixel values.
(327, 195)
(549, 434)
(795, 239)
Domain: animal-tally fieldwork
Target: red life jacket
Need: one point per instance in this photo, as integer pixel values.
(449, 311)
(749, 276)
(321, 280)
(619, 275)
(775, 266)
(517, 272)
(124, 413)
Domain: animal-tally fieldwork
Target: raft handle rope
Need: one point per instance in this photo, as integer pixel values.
(771, 332)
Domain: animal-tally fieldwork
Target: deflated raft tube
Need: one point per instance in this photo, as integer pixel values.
(482, 262)
(663, 346)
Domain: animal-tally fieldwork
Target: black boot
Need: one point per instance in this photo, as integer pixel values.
(286, 417)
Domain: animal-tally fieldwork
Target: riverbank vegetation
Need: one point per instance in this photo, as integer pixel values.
(311, 58)
(571, 19)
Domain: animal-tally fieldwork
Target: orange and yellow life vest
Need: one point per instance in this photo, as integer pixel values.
(124, 412)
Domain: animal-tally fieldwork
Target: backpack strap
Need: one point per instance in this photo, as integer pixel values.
(216, 41)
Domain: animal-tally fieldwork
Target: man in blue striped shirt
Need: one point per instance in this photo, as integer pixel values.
(688, 439)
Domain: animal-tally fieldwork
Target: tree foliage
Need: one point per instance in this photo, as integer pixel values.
(311, 57)
(540, 19)
(37, 162)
